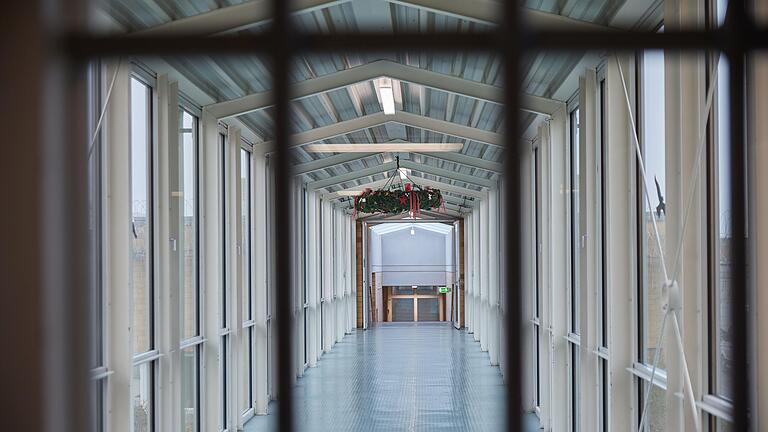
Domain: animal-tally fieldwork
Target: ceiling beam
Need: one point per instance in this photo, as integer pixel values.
(328, 162)
(378, 69)
(230, 18)
(376, 119)
(352, 175)
(490, 12)
(440, 172)
(466, 160)
(252, 13)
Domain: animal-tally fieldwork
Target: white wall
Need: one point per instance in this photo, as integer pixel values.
(418, 259)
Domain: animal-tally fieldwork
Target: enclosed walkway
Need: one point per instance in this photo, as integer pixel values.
(399, 376)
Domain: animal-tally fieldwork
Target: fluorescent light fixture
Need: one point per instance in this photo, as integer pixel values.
(387, 96)
(349, 192)
(384, 147)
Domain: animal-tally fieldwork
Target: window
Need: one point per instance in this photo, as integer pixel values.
(575, 253)
(650, 218)
(189, 264)
(721, 235)
(95, 248)
(246, 253)
(602, 285)
(142, 256)
(575, 221)
(536, 275)
(224, 289)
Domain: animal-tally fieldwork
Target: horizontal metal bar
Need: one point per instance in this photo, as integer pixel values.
(146, 357)
(87, 46)
(190, 342)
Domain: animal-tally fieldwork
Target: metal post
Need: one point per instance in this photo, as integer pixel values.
(283, 49)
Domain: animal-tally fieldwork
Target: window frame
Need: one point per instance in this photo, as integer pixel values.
(196, 340)
(152, 355)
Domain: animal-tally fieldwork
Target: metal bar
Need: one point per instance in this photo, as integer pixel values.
(85, 46)
(283, 45)
(510, 37)
(736, 20)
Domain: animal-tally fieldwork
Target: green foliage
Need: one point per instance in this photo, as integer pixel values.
(397, 201)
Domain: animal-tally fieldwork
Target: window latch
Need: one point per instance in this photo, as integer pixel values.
(173, 244)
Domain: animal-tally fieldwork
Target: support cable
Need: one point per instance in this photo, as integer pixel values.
(104, 109)
(641, 161)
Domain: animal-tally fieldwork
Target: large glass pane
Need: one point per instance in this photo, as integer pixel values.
(653, 144)
(141, 216)
(142, 397)
(656, 417)
(723, 266)
(245, 220)
(189, 226)
(603, 284)
(575, 388)
(97, 395)
(190, 391)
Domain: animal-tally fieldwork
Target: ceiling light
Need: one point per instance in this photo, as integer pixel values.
(387, 147)
(349, 193)
(414, 286)
(387, 96)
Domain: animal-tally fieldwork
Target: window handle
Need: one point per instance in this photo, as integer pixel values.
(173, 243)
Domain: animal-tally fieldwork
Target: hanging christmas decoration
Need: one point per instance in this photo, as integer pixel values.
(399, 198)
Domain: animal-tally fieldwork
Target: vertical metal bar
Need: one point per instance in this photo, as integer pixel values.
(283, 48)
(509, 37)
(739, 308)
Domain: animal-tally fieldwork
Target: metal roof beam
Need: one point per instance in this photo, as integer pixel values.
(353, 175)
(440, 172)
(231, 18)
(466, 160)
(252, 13)
(328, 162)
(408, 119)
(490, 12)
(390, 69)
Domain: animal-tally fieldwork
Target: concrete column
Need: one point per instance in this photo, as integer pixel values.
(485, 227)
(211, 247)
(117, 216)
(235, 276)
(312, 280)
(469, 285)
(545, 255)
(620, 223)
(589, 208)
(558, 258)
(477, 326)
(169, 246)
(685, 98)
(260, 270)
(494, 234)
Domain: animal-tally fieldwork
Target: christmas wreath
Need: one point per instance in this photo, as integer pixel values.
(394, 199)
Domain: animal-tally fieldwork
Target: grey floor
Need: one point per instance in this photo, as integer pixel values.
(400, 377)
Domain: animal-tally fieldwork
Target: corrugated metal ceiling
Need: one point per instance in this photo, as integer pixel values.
(226, 78)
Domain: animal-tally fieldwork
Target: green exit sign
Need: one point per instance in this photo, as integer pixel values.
(444, 290)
